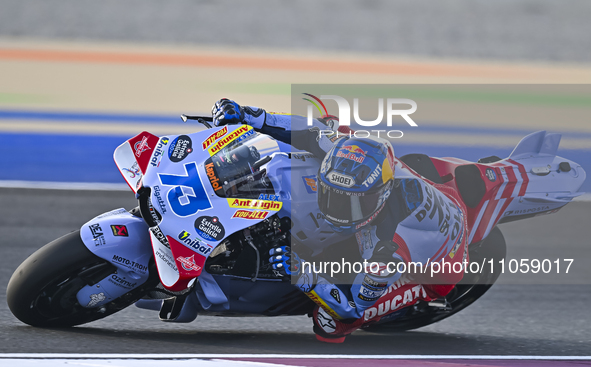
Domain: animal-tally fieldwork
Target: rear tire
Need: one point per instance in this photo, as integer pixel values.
(466, 292)
(42, 291)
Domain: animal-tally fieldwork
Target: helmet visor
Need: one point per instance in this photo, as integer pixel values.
(345, 208)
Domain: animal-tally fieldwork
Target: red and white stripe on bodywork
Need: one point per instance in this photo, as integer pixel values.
(514, 183)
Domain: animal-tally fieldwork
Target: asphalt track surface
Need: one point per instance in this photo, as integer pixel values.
(508, 320)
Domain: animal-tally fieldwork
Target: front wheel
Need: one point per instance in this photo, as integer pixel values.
(42, 291)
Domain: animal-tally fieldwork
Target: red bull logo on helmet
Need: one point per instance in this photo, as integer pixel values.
(352, 152)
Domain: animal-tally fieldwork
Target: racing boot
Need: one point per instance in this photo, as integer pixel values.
(330, 330)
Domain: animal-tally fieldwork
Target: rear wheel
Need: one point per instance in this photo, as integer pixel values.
(42, 291)
(472, 287)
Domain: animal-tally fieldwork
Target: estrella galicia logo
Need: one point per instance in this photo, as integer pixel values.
(210, 228)
(180, 148)
(187, 195)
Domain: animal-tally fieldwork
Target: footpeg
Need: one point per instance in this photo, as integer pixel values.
(440, 303)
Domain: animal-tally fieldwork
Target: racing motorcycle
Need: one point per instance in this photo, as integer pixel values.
(213, 203)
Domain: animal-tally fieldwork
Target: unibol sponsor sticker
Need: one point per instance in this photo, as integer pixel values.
(247, 214)
(255, 204)
(213, 137)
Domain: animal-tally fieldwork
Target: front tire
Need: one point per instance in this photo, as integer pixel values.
(42, 291)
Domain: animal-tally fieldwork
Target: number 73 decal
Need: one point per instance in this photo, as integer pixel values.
(187, 196)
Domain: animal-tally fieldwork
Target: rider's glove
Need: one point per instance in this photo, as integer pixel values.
(228, 112)
(285, 261)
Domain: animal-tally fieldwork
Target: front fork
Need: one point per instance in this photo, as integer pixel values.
(122, 239)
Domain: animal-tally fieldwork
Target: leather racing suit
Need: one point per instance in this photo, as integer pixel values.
(422, 223)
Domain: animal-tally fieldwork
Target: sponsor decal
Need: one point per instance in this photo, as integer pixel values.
(310, 184)
(129, 263)
(133, 171)
(187, 196)
(242, 130)
(141, 146)
(302, 156)
(180, 148)
(439, 204)
(372, 284)
(334, 219)
(194, 244)
(458, 242)
(97, 234)
(352, 152)
(166, 259)
(95, 299)
(158, 152)
(409, 297)
(339, 179)
(210, 228)
(188, 263)
(366, 222)
(325, 321)
(269, 197)
(121, 282)
(526, 211)
(154, 213)
(159, 201)
(160, 236)
(213, 137)
(247, 214)
(364, 240)
(369, 295)
(323, 306)
(373, 176)
(255, 204)
(96, 230)
(326, 162)
(491, 175)
(376, 268)
(335, 294)
(119, 230)
(213, 178)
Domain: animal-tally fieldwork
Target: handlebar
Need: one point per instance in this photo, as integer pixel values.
(204, 120)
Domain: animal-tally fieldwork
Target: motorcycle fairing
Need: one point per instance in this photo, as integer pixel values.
(121, 239)
(133, 157)
(193, 217)
(531, 181)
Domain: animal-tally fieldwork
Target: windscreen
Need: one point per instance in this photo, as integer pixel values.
(235, 171)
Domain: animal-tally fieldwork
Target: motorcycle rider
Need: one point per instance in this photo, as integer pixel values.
(396, 216)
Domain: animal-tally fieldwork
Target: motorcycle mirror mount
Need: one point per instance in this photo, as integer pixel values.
(204, 120)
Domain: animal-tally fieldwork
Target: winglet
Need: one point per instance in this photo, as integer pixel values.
(539, 143)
